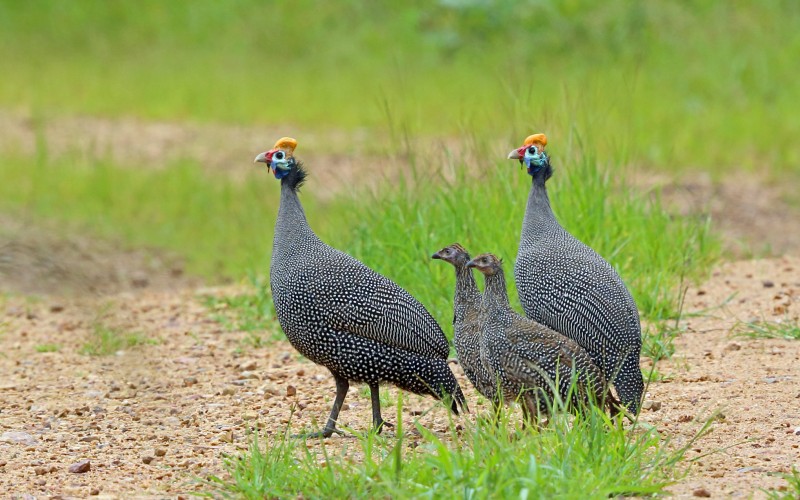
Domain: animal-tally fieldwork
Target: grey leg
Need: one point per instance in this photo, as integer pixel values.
(342, 386)
(377, 421)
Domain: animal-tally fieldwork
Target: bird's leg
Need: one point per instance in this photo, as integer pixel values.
(377, 421)
(342, 386)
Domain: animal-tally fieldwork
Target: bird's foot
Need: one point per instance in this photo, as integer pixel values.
(379, 425)
(324, 433)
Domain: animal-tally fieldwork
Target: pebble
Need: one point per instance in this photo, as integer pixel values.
(249, 366)
(160, 452)
(40, 471)
(94, 492)
(291, 390)
(701, 492)
(80, 467)
(651, 405)
(17, 437)
(147, 459)
(189, 381)
(768, 283)
(797, 431)
(250, 415)
(228, 391)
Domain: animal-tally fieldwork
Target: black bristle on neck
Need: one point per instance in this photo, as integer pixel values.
(296, 178)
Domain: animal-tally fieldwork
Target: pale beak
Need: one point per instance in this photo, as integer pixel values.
(515, 154)
(262, 157)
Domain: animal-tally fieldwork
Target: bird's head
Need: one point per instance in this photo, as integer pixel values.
(532, 153)
(454, 254)
(487, 263)
(280, 158)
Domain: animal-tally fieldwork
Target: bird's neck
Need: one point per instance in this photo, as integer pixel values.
(292, 225)
(495, 295)
(538, 209)
(467, 294)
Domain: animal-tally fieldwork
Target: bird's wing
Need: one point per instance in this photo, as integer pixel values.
(354, 298)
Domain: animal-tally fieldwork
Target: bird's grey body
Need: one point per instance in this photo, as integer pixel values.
(528, 360)
(467, 322)
(567, 286)
(343, 315)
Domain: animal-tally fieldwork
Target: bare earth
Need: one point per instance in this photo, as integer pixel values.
(153, 418)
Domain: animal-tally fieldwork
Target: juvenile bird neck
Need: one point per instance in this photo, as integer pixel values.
(467, 294)
(495, 296)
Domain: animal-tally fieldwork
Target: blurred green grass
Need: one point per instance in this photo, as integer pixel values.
(669, 85)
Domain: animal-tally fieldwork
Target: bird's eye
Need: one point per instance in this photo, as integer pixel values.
(532, 150)
(279, 155)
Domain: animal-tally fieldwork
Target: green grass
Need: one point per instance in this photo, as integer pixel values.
(674, 85)
(792, 489)
(586, 457)
(787, 329)
(104, 340)
(48, 348)
(252, 313)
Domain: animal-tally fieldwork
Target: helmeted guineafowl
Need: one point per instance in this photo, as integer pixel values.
(528, 360)
(343, 315)
(564, 284)
(467, 322)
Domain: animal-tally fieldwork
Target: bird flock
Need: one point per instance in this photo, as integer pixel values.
(580, 335)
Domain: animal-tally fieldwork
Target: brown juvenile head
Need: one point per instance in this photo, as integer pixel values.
(454, 254)
(486, 263)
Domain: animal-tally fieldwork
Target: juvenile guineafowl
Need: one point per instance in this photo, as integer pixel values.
(467, 322)
(528, 360)
(341, 314)
(564, 284)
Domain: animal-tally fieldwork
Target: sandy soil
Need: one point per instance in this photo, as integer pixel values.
(154, 418)
(151, 419)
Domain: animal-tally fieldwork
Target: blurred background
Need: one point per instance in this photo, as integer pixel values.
(128, 128)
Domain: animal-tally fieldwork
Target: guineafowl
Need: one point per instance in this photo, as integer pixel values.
(564, 284)
(529, 360)
(343, 315)
(467, 322)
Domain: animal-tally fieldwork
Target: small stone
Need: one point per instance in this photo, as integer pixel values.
(797, 431)
(140, 280)
(94, 492)
(701, 492)
(80, 467)
(40, 471)
(248, 366)
(701, 292)
(651, 405)
(250, 415)
(291, 390)
(160, 452)
(147, 459)
(17, 437)
(301, 372)
(56, 308)
(768, 283)
(189, 381)
(733, 346)
(228, 391)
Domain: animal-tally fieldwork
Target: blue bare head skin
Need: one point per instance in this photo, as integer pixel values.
(281, 164)
(535, 158)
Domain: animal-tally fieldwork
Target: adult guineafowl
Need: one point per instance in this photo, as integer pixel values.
(564, 284)
(528, 360)
(467, 322)
(343, 315)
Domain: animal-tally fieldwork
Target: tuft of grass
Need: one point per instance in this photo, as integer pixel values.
(588, 456)
(787, 329)
(654, 251)
(48, 348)
(252, 313)
(105, 340)
(792, 489)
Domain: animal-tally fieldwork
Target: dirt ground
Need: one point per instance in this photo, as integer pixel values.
(153, 418)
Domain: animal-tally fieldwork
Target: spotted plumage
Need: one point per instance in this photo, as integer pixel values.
(467, 322)
(564, 284)
(343, 315)
(528, 360)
